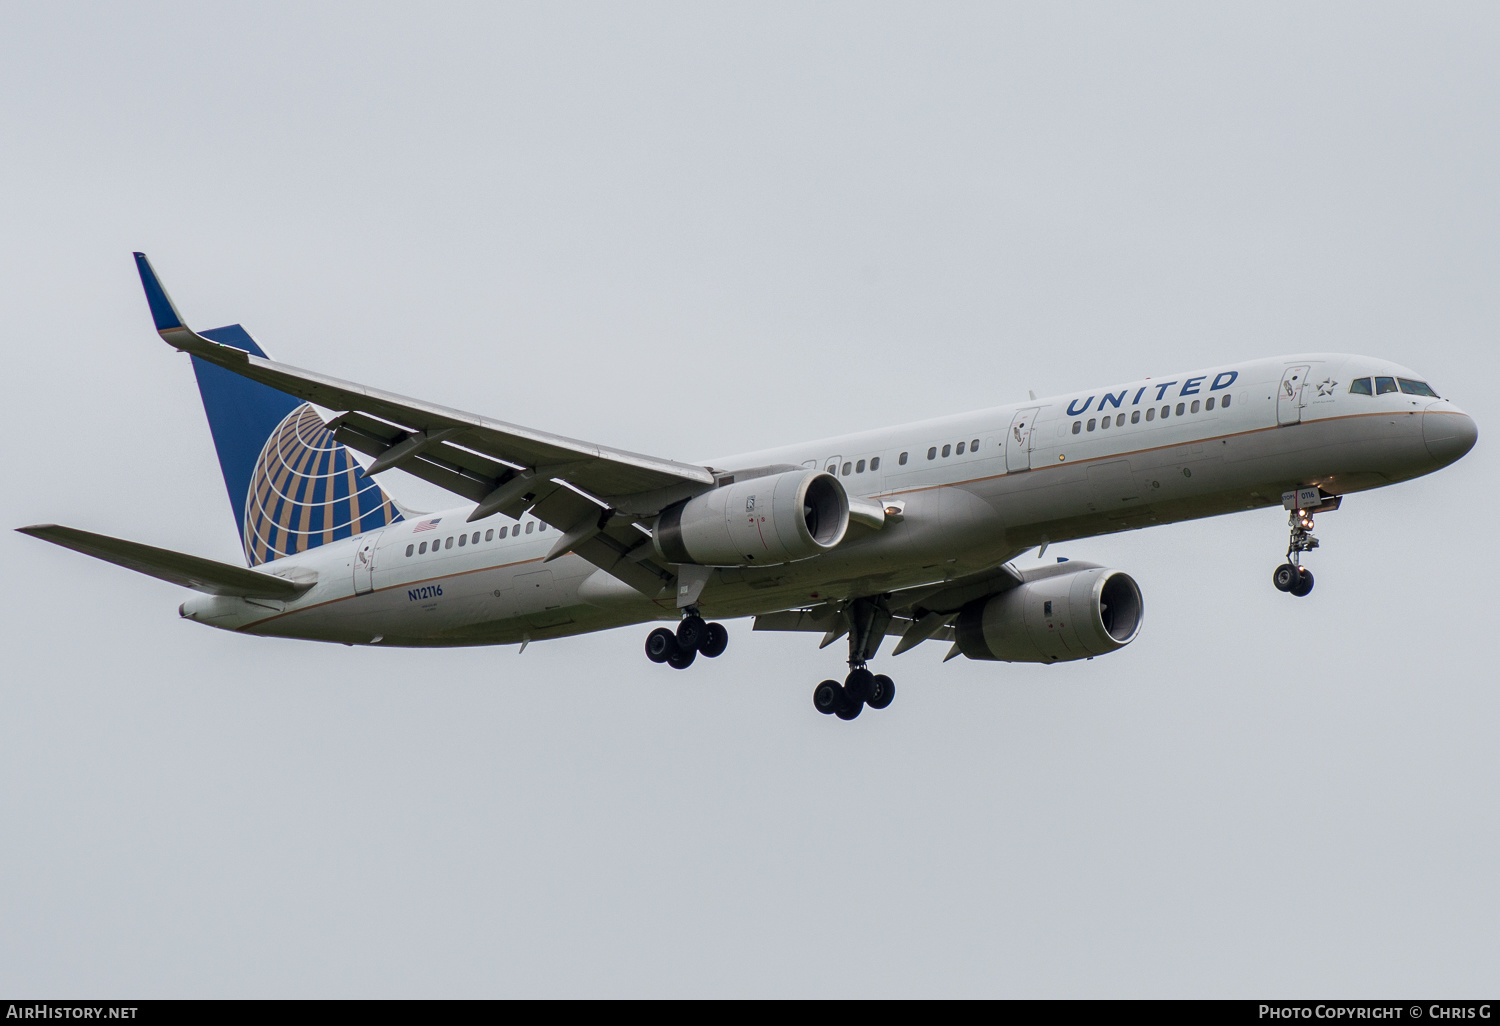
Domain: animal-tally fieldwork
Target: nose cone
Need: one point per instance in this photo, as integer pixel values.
(1448, 433)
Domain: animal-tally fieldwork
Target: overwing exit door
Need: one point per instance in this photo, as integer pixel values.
(540, 600)
(1018, 442)
(1289, 396)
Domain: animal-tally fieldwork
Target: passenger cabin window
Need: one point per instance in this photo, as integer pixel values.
(448, 544)
(489, 535)
(1104, 423)
(1091, 424)
(463, 540)
(832, 468)
(475, 539)
(529, 526)
(1180, 408)
(932, 453)
(1135, 417)
(1166, 411)
(974, 445)
(1195, 406)
(1360, 386)
(422, 548)
(947, 451)
(1384, 385)
(846, 469)
(901, 461)
(1209, 403)
(1411, 387)
(875, 463)
(1120, 420)
(961, 448)
(1077, 426)
(1151, 413)
(410, 549)
(540, 527)
(859, 468)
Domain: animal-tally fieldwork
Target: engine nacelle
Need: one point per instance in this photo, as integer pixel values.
(1060, 613)
(760, 522)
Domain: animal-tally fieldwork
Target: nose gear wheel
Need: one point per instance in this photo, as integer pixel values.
(1292, 577)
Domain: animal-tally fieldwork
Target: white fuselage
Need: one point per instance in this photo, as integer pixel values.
(1045, 470)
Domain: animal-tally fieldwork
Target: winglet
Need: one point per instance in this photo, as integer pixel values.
(162, 311)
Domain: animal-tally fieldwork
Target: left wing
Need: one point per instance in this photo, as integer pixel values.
(591, 493)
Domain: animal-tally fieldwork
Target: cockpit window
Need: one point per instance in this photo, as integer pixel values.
(1360, 386)
(1411, 387)
(1384, 385)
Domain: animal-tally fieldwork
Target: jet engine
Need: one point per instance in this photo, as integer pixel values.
(1060, 613)
(762, 521)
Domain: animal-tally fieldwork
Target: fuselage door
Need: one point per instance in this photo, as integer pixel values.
(540, 600)
(1018, 442)
(364, 564)
(1289, 396)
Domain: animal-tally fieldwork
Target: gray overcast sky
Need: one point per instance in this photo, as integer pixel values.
(694, 229)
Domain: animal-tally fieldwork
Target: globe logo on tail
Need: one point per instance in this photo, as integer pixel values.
(306, 490)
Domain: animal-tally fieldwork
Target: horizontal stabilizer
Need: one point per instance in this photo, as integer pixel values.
(194, 572)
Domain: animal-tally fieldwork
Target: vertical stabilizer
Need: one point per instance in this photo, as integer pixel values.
(291, 485)
(241, 415)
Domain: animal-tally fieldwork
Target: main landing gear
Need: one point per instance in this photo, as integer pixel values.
(860, 688)
(867, 619)
(679, 648)
(1292, 577)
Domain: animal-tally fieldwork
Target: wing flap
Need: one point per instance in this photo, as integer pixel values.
(803, 620)
(206, 575)
(379, 439)
(614, 548)
(951, 596)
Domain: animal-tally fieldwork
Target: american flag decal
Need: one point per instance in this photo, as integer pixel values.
(426, 525)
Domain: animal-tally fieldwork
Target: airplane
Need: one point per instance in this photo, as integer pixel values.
(907, 532)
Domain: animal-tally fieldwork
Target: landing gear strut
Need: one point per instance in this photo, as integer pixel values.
(694, 636)
(1292, 577)
(867, 620)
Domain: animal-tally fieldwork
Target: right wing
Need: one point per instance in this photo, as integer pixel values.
(206, 575)
(591, 493)
(914, 615)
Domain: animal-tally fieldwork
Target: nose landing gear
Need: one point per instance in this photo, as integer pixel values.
(1292, 577)
(694, 636)
(867, 620)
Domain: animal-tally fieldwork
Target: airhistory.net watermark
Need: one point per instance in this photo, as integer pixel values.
(43, 1010)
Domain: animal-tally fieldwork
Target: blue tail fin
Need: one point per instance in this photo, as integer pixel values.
(291, 485)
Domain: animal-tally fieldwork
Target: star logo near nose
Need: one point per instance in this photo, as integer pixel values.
(1326, 386)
